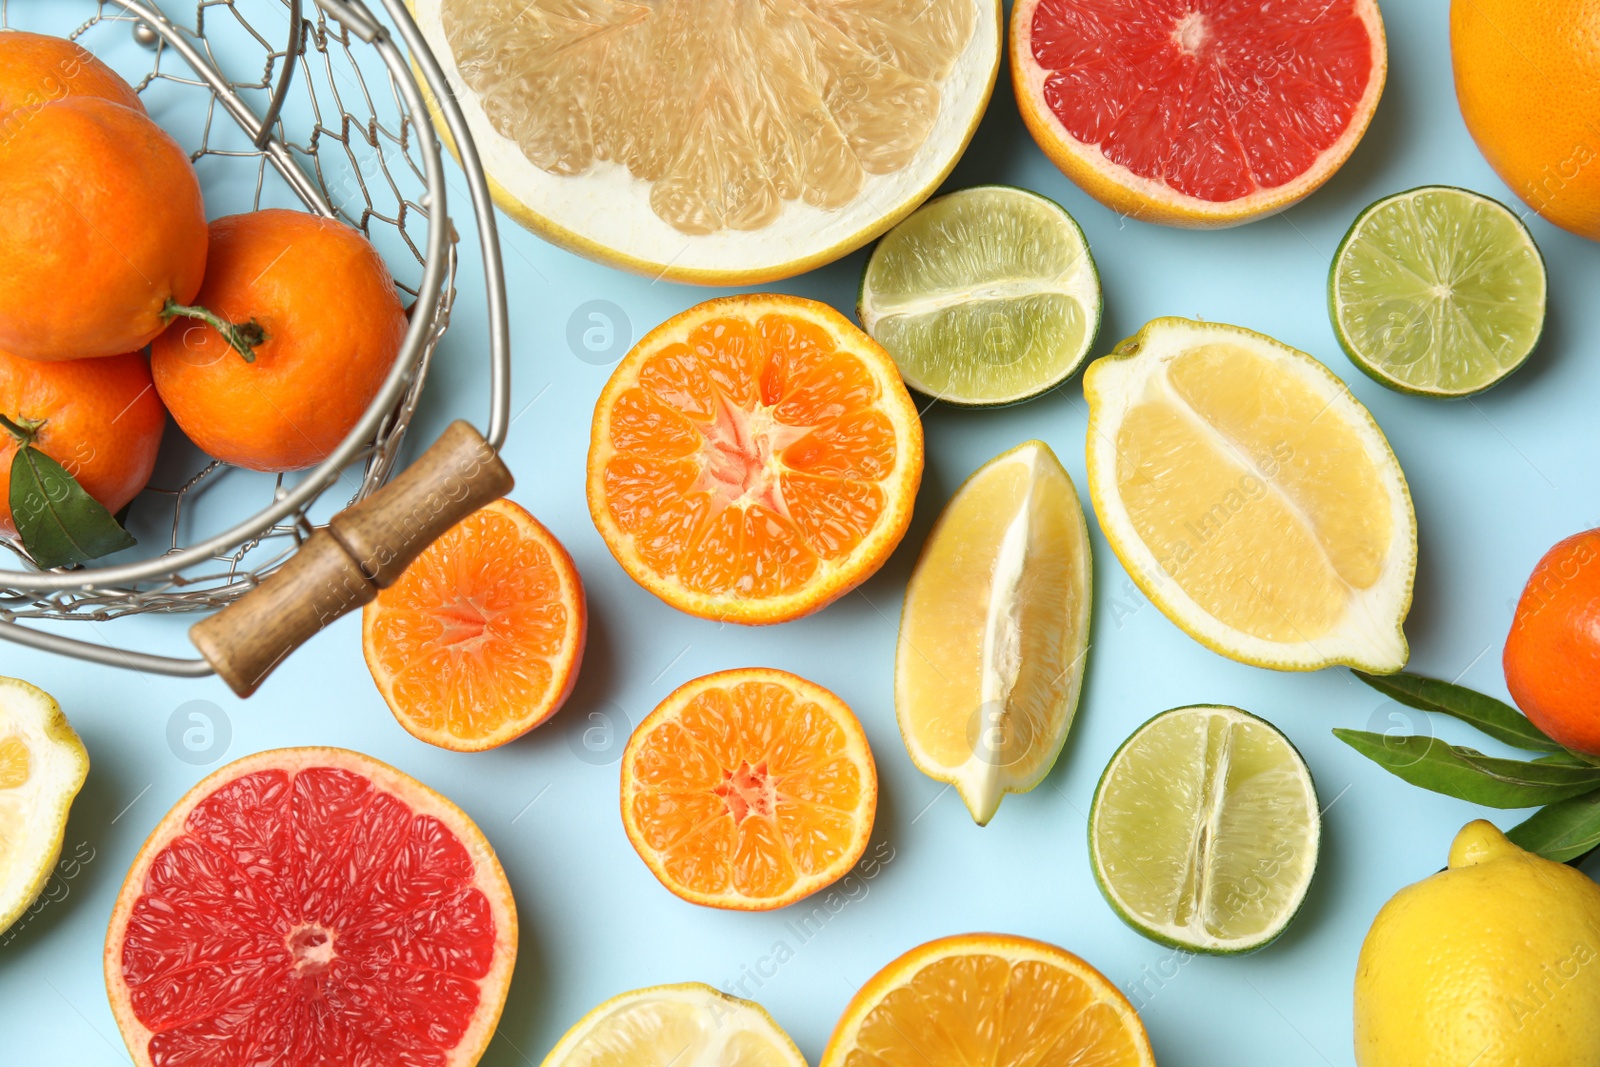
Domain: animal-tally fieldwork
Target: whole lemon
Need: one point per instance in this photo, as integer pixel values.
(1528, 82)
(1493, 963)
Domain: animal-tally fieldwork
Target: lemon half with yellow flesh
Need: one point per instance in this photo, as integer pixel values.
(995, 630)
(1252, 497)
(42, 767)
(686, 1025)
(715, 141)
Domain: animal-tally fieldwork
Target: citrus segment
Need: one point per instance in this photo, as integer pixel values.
(984, 296)
(754, 459)
(480, 639)
(1205, 113)
(1204, 830)
(749, 789)
(1437, 291)
(308, 906)
(1252, 497)
(989, 999)
(687, 1025)
(719, 142)
(42, 767)
(995, 630)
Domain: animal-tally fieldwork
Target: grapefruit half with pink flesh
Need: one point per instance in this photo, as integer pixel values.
(1198, 113)
(311, 906)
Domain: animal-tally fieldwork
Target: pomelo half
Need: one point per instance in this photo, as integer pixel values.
(311, 906)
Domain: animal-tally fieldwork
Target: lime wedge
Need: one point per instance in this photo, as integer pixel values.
(1204, 830)
(985, 296)
(1437, 291)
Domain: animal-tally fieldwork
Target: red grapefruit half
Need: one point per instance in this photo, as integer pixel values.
(311, 906)
(1199, 113)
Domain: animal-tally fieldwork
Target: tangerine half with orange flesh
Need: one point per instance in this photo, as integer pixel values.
(480, 639)
(754, 459)
(749, 789)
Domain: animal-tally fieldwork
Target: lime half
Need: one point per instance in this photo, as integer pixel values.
(1437, 291)
(1204, 830)
(984, 296)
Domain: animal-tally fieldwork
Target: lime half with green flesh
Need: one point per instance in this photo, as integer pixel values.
(984, 296)
(1204, 830)
(1438, 292)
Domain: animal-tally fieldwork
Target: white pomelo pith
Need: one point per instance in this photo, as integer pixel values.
(604, 210)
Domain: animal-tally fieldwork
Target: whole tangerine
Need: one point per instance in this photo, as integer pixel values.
(1528, 81)
(294, 330)
(102, 228)
(37, 69)
(99, 418)
(1552, 655)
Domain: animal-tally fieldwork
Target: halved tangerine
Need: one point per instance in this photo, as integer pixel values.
(749, 789)
(480, 639)
(754, 459)
(311, 906)
(1198, 112)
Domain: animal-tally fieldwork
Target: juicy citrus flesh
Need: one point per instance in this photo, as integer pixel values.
(687, 1025)
(988, 1000)
(984, 296)
(754, 459)
(42, 767)
(1204, 830)
(479, 640)
(727, 110)
(1214, 100)
(995, 630)
(1439, 291)
(749, 789)
(311, 906)
(1253, 480)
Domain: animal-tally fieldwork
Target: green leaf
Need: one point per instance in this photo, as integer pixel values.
(1563, 831)
(1494, 717)
(1470, 775)
(58, 522)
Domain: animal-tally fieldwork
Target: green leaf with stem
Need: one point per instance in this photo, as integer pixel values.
(1494, 717)
(1470, 775)
(58, 522)
(1561, 831)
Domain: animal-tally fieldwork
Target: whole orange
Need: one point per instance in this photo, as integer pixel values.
(1528, 81)
(37, 69)
(321, 322)
(98, 418)
(101, 225)
(1552, 655)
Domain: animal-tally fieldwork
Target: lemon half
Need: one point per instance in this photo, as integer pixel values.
(686, 1025)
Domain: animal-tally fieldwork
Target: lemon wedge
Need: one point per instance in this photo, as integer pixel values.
(995, 630)
(686, 1025)
(1251, 497)
(42, 767)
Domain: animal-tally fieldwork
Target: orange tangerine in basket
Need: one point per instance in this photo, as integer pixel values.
(37, 69)
(754, 459)
(749, 789)
(480, 639)
(313, 322)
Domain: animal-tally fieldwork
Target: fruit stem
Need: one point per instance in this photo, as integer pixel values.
(26, 431)
(242, 337)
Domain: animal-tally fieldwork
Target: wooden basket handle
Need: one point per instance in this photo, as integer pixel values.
(363, 549)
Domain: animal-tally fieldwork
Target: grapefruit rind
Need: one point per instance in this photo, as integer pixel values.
(491, 881)
(1137, 197)
(1371, 637)
(899, 974)
(58, 764)
(833, 578)
(859, 750)
(564, 667)
(605, 215)
(727, 1015)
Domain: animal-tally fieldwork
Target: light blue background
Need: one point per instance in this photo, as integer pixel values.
(1496, 480)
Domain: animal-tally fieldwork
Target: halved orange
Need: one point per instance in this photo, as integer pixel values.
(991, 999)
(480, 639)
(749, 789)
(754, 459)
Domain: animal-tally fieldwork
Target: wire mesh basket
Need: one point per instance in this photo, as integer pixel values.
(281, 103)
